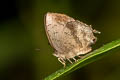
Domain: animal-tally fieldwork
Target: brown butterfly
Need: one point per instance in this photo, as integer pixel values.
(69, 37)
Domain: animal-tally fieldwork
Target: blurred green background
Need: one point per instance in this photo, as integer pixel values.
(25, 53)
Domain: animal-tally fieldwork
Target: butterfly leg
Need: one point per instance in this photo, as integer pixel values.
(69, 60)
(80, 57)
(74, 59)
(62, 61)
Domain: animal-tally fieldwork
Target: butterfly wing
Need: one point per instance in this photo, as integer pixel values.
(57, 32)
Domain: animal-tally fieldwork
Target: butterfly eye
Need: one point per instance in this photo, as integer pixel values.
(94, 40)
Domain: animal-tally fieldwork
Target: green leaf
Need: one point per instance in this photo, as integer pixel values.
(91, 57)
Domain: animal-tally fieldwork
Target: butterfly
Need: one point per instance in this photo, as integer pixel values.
(68, 37)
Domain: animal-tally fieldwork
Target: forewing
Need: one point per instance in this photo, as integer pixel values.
(56, 30)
